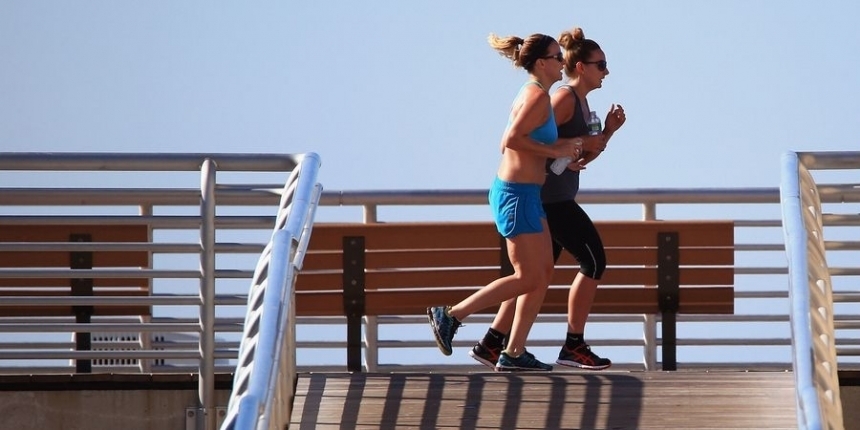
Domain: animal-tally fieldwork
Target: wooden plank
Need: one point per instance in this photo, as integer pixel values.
(97, 292)
(644, 233)
(61, 233)
(425, 235)
(460, 277)
(57, 311)
(476, 257)
(411, 235)
(560, 400)
(622, 300)
(625, 300)
(64, 282)
(646, 256)
(61, 311)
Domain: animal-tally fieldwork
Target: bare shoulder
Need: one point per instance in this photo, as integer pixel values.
(532, 94)
(562, 93)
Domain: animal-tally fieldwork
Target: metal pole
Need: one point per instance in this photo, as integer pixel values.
(649, 323)
(371, 323)
(145, 338)
(206, 384)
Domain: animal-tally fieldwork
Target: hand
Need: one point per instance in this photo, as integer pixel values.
(577, 165)
(595, 143)
(570, 148)
(614, 119)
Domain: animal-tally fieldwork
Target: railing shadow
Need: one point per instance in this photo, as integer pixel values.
(476, 400)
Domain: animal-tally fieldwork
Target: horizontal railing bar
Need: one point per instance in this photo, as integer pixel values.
(57, 273)
(853, 324)
(594, 318)
(759, 247)
(847, 352)
(145, 162)
(154, 300)
(112, 344)
(846, 296)
(841, 245)
(169, 368)
(761, 270)
(160, 247)
(99, 327)
(137, 353)
(119, 320)
(760, 294)
(157, 222)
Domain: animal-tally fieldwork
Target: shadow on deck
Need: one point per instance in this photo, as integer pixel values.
(556, 400)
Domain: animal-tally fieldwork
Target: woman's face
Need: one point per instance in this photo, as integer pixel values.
(595, 69)
(552, 63)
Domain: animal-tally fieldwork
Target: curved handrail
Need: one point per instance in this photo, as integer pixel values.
(811, 297)
(265, 372)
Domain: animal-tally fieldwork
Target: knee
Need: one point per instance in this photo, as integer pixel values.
(534, 279)
(594, 268)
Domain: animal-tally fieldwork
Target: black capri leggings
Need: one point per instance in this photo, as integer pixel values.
(573, 230)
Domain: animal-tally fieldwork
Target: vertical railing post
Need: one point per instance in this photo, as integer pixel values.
(371, 322)
(145, 337)
(649, 322)
(206, 383)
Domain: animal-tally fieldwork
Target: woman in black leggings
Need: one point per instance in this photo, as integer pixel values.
(570, 227)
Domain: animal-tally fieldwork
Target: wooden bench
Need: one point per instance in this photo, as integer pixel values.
(654, 267)
(48, 236)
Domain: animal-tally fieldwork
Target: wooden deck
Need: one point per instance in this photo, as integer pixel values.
(557, 400)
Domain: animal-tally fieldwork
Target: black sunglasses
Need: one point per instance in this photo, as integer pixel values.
(601, 65)
(558, 57)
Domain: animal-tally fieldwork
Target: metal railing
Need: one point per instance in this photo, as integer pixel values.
(264, 381)
(757, 336)
(809, 243)
(188, 318)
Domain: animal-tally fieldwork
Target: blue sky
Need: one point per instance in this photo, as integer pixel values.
(408, 95)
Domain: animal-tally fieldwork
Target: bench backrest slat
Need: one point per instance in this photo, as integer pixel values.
(50, 286)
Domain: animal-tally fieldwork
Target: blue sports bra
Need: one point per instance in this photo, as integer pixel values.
(547, 133)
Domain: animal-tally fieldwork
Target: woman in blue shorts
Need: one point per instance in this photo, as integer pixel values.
(570, 227)
(529, 140)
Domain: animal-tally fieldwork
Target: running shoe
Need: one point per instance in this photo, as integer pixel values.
(582, 357)
(526, 362)
(444, 327)
(486, 356)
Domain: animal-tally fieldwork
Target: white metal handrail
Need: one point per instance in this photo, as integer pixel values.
(813, 320)
(264, 380)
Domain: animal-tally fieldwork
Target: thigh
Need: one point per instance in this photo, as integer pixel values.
(572, 229)
(531, 251)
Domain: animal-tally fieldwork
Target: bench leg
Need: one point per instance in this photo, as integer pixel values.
(83, 314)
(670, 341)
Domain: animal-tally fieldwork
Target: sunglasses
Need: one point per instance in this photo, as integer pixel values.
(601, 65)
(558, 57)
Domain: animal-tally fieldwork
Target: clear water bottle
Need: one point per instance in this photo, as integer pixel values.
(594, 128)
(559, 164)
(594, 125)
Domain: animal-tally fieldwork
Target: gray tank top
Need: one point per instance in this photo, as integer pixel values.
(559, 188)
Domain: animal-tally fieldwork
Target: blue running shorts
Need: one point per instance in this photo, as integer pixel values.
(516, 207)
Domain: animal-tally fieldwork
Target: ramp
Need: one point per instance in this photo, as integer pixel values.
(556, 400)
